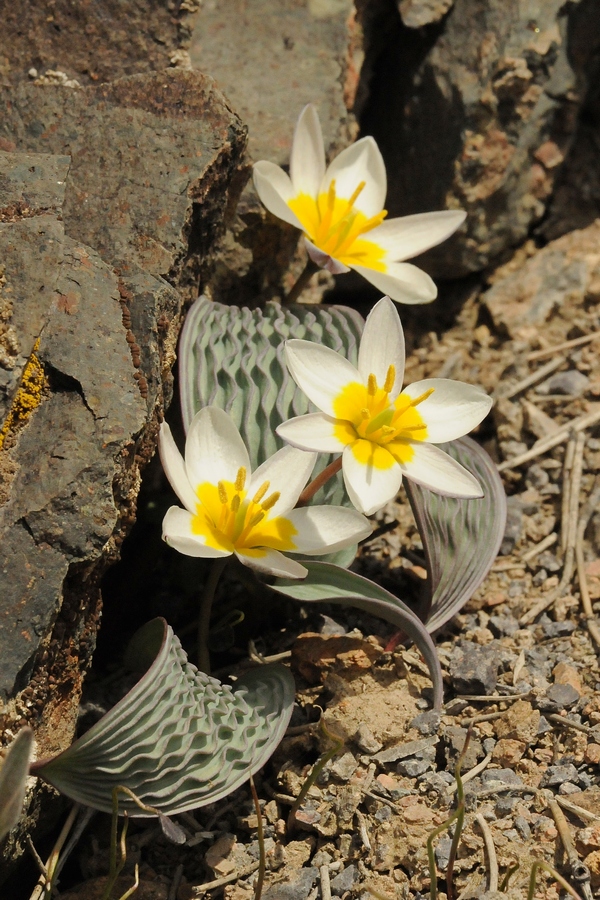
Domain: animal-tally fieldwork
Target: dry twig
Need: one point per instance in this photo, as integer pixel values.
(553, 440)
(491, 853)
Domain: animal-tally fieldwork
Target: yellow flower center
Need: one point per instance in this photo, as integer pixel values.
(336, 226)
(228, 520)
(380, 431)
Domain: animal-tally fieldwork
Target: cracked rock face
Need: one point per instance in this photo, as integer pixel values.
(478, 113)
(110, 199)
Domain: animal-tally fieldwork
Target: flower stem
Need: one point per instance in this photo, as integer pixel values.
(205, 611)
(311, 489)
(307, 273)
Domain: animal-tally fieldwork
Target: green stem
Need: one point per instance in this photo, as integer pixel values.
(311, 489)
(542, 864)
(314, 773)
(307, 273)
(205, 610)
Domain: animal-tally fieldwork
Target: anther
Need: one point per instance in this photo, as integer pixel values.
(258, 517)
(357, 193)
(387, 430)
(240, 481)
(271, 501)
(331, 194)
(390, 378)
(235, 503)
(261, 492)
(372, 385)
(222, 492)
(365, 413)
(423, 396)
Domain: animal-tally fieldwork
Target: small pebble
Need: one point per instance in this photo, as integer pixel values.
(506, 776)
(567, 787)
(412, 768)
(345, 881)
(555, 775)
(427, 723)
(505, 805)
(345, 766)
(557, 697)
(523, 827)
(366, 741)
(503, 625)
(474, 668)
(572, 383)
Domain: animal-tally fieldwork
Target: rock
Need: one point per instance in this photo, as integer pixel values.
(520, 723)
(505, 96)
(592, 754)
(555, 279)
(285, 56)
(508, 752)
(504, 776)
(405, 750)
(573, 383)
(442, 853)
(108, 255)
(558, 629)
(412, 768)
(514, 525)
(505, 805)
(365, 740)
(344, 766)
(91, 43)
(417, 13)
(455, 737)
(522, 826)
(555, 775)
(474, 669)
(502, 626)
(558, 696)
(567, 787)
(296, 888)
(427, 722)
(344, 881)
(565, 674)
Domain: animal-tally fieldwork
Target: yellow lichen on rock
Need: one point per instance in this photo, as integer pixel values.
(28, 397)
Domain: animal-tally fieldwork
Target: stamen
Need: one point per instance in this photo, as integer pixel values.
(424, 396)
(256, 518)
(261, 492)
(235, 503)
(365, 413)
(390, 378)
(387, 429)
(372, 385)
(414, 427)
(222, 493)
(271, 501)
(357, 193)
(331, 194)
(373, 222)
(240, 481)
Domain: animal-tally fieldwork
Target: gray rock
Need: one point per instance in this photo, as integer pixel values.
(474, 668)
(558, 696)
(298, 888)
(344, 766)
(573, 383)
(548, 561)
(558, 629)
(427, 722)
(417, 13)
(344, 880)
(522, 827)
(514, 525)
(442, 852)
(567, 787)
(405, 750)
(437, 781)
(501, 626)
(412, 768)
(330, 626)
(505, 776)
(454, 738)
(504, 95)
(585, 780)
(366, 741)
(505, 805)
(555, 775)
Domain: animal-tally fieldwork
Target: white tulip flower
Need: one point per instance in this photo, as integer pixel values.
(383, 432)
(229, 510)
(340, 210)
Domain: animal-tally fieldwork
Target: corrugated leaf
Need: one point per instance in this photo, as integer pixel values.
(179, 739)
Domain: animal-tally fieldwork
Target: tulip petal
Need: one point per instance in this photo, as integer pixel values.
(307, 160)
(214, 450)
(325, 529)
(370, 487)
(382, 345)
(177, 532)
(319, 371)
(436, 470)
(324, 260)
(452, 410)
(274, 188)
(174, 466)
(410, 235)
(287, 472)
(403, 282)
(315, 431)
(272, 562)
(360, 162)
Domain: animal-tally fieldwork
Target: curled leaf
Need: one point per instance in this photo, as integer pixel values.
(326, 582)
(461, 538)
(179, 739)
(13, 780)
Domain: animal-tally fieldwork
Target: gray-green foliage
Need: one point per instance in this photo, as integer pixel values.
(179, 739)
(233, 358)
(13, 780)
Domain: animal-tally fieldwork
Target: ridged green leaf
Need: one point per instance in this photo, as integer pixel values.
(179, 739)
(326, 582)
(461, 538)
(13, 780)
(233, 358)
